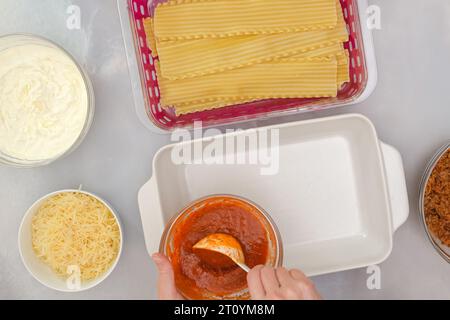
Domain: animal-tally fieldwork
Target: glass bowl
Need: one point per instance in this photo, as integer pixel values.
(275, 248)
(441, 248)
(13, 40)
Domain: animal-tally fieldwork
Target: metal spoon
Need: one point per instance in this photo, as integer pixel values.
(225, 245)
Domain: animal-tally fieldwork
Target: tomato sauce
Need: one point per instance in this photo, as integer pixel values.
(199, 272)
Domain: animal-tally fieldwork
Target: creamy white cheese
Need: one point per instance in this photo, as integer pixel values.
(43, 102)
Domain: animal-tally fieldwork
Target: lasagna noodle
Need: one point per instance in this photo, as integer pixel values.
(290, 78)
(343, 71)
(211, 105)
(336, 51)
(333, 50)
(189, 59)
(341, 56)
(150, 36)
(183, 108)
(223, 18)
(342, 76)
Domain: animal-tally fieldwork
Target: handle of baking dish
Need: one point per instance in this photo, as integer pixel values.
(151, 215)
(398, 192)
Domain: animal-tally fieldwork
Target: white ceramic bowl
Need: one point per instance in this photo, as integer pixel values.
(41, 271)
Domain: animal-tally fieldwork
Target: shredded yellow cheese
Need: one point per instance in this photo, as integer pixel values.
(74, 229)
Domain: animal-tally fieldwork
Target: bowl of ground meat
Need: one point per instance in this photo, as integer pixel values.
(435, 201)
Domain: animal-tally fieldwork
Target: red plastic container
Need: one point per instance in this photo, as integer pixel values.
(359, 46)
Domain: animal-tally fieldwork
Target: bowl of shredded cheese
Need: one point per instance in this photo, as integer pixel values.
(70, 240)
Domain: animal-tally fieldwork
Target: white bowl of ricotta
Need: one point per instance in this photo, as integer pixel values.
(46, 101)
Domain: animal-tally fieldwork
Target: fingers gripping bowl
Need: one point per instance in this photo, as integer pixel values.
(236, 216)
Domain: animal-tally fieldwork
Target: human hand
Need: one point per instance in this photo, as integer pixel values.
(267, 283)
(166, 279)
(264, 283)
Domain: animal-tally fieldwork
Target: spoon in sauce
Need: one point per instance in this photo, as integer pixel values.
(221, 250)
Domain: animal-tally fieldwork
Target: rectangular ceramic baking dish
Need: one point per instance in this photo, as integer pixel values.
(146, 93)
(337, 199)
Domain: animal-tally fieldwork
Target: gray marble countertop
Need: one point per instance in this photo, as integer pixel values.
(410, 109)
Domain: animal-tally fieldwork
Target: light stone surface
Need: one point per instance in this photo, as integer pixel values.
(410, 109)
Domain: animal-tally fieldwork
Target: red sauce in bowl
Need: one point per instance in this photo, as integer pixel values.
(200, 274)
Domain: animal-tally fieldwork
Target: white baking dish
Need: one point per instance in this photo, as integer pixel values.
(337, 199)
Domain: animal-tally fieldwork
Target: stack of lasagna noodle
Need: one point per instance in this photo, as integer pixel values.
(215, 53)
